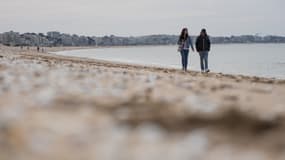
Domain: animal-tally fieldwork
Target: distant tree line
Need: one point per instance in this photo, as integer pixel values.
(52, 39)
(48, 40)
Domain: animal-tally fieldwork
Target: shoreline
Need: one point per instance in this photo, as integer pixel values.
(51, 53)
(58, 107)
(160, 66)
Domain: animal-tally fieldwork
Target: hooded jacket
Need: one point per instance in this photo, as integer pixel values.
(203, 43)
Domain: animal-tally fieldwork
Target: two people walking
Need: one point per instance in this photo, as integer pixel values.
(202, 44)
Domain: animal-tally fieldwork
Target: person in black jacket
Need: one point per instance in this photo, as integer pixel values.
(203, 46)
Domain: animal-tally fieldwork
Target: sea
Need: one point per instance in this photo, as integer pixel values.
(263, 60)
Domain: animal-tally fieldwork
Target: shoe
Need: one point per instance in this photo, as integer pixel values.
(207, 71)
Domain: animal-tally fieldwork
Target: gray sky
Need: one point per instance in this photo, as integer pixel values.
(142, 17)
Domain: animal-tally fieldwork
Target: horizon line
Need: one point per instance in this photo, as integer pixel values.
(151, 34)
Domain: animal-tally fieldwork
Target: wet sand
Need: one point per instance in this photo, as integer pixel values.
(56, 107)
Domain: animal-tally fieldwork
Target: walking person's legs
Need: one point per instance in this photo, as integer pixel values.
(206, 61)
(186, 59)
(182, 59)
(202, 61)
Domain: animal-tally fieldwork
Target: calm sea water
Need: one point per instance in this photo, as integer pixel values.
(266, 60)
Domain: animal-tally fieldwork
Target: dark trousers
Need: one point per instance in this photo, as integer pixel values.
(204, 60)
(184, 58)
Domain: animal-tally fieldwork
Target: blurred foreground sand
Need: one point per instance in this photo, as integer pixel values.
(55, 107)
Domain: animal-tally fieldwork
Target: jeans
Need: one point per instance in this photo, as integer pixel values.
(204, 60)
(184, 58)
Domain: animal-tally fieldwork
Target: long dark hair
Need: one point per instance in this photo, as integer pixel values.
(183, 36)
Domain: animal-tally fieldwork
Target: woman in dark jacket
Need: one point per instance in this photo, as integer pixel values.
(184, 43)
(203, 46)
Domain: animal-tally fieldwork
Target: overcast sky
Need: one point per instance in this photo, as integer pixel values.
(142, 17)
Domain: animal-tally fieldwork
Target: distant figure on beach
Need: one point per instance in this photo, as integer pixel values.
(38, 48)
(184, 44)
(203, 46)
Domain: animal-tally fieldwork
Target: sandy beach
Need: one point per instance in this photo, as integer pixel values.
(56, 107)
